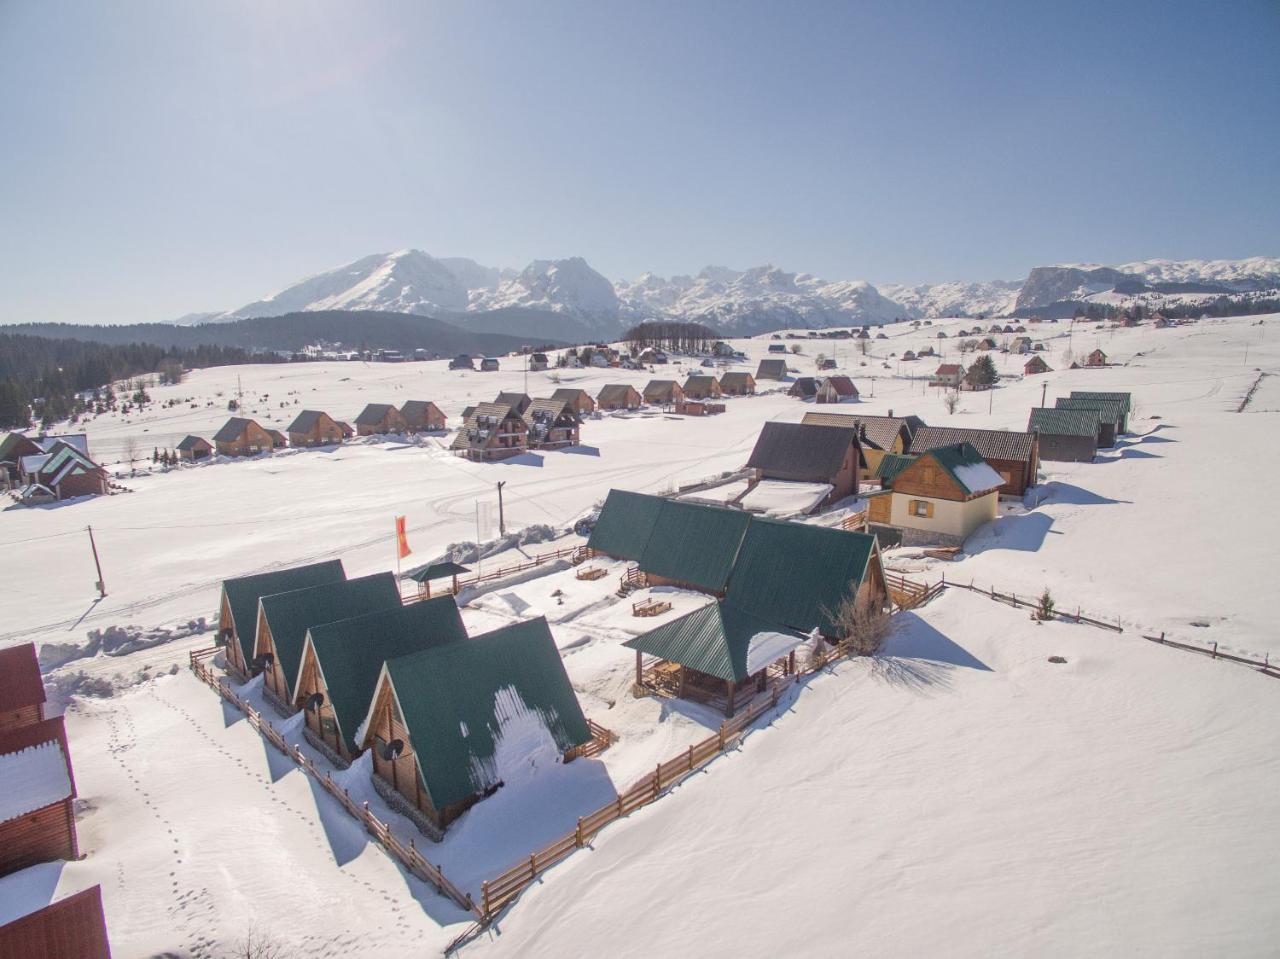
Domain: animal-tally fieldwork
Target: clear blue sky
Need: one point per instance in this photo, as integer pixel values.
(181, 155)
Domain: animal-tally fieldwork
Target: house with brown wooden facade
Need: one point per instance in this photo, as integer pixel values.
(238, 607)
(192, 449)
(1015, 455)
(341, 661)
(877, 435)
(314, 428)
(619, 396)
(937, 497)
(737, 383)
(438, 717)
(804, 388)
(22, 696)
(1035, 366)
(552, 424)
(422, 416)
(493, 431)
(664, 393)
(380, 419)
(241, 436)
(61, 472)
(699, 387)
(806, 453)
(1096, 358)
(836, 389)
(70, 928)
(13, 448)
(579, 399)
(37, 792)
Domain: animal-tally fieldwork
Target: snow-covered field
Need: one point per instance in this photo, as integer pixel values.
(963, 796)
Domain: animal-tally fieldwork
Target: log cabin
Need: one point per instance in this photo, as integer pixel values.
(13, 448)
(192, 449)
(699, 387)
(1014, 455)
(284, 618)
(1066, 436)
(422, 416)
(619, 396)
(439, 719)
(493, 431)
(808, 453)
(877, 435)
(1124, 399)
(664, 393)
(240, 436)
(278, 440)
(737, 383)
(341, 661)
(63, 472)
(314, 428)
(579, 399)
(937, 497)
(1096, 358)
(1110, 416)
(71, 928)
(37, 818)
(1035, 366)
(379, 419)
(22, 696)
(771, 370)
(836, 389)
(552, 424)
(238, 606)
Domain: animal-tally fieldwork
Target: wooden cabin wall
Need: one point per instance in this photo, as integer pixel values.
(926, 478)
(401, 772)
(22, 716)
(45, 835)
(309, 683)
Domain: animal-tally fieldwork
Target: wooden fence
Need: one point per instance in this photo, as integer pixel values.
(1263, 665)
(1033, 602)
(575, 555)
(907, 593)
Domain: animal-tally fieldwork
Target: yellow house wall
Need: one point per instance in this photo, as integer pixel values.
(949, 517)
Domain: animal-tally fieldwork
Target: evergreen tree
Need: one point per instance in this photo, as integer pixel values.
(982, 374)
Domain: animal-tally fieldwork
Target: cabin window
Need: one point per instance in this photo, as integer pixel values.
(919, 507)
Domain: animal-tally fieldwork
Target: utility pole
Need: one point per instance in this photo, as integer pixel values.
(502, 524)
(1044, 388)
(100, 584)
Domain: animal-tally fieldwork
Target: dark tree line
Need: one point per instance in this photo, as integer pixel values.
(673, 336)
(42, 378)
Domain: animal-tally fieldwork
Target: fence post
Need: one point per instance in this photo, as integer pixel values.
(722, 737)
(619, 807)
(691, 759)
(1162, 635)
(484, 896)
(1078, 616)
(993, 590)
(578, 834)
(1215, 649)
(533, 866)
(657, 780)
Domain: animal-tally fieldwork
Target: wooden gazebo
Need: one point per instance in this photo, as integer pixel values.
(424, 576)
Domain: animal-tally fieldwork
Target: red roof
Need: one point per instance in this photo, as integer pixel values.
(842, 385)
(948, 369)
(20, 682)
(71, 928)
(24, 737)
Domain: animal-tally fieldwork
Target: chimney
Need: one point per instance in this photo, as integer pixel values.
(891, 413)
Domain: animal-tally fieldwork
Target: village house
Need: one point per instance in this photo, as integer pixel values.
(1014, 455)
(836, 389)
(192, 449)
(806, 453)
(37, 817)
(664, 393)
(947, 376)
(1036, 365)
(438, 716)
(908, 355)
(341, 661)
(737, 383)
(314, 428)
(877, 435)
(652, 358)
(1096, 358)
(804, 388)
(379, 419)
(422, 416)
(771, 370)
(619, 396)
(777, 348)
(538, 362)
(70, 928)
(22, 696)
(62, 472)
(13, 449)
(519, 402)
(552, 424)
(937, 497)
(579, 399)
(238, 607)
(284, 618)
(987, 343)
(278, 440)
(494, 431)
(722, 349)
(1124, 399)
(1110, 416)
(698, 387)
(1066, 436)
(1020, 344)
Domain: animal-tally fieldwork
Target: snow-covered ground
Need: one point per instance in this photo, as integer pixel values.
(964, 796)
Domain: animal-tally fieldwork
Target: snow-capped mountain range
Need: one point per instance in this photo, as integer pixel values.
(734, 301)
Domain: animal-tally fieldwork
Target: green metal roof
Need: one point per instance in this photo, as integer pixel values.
(244, 592)
(1055, 422)
(694, 544)
(1111, 411)
(291, 614)
(955, 455)
(891, 464)
(438, 571)
(797, 573)
(1125, 399)
(351, 651)
(713, 639)
(458, 699)
(625, 524)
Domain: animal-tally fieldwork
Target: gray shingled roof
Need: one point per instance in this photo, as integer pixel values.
(801, 451)
(992, 444)
(771, 370)
(614, 393)
(192, 442)
(232, 430)
(373, 414)
(305, 421)
(881, 430)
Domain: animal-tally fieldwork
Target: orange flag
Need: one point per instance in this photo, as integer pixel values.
(402, 541)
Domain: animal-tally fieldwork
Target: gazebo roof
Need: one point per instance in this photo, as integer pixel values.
(438, 571)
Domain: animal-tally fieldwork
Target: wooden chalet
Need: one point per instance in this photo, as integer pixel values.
(1066, 436)
(13, 448)
(517, 401)
(380, 419)
(947, 376)
(439, 718)
(877, 435)
(1124, 399)
(61, 472)
(1096, 358)
(37, 818)
(664, 393)
(804, 388)
(737, 383)
(278, 440)
(1036, 365)
(493, 431)
(422, 416)
(619, 396)
(238, 606)
(1014, 455)
(806, 453)
(698, 408)
(1021, 344)
(771, 370)
(1110, 416)
(836, 389)
(192, 449)
(699, 387)
(937, 497)
(579, 399)
(314, 428)
(71, 928)
(552, 424)
(22, 695)
(341, 661)
(284, 618)
(787, 581)
(538, 362)
(240, 436)
(987, 344)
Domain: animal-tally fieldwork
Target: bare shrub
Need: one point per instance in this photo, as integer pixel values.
(258, 945)
(951, 401)
(863, 626)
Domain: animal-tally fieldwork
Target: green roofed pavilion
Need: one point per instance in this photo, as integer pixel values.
(625, 524)
(694, 545)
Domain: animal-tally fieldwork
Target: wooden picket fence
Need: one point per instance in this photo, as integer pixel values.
(408, 856)
(907, 593)
(1261, 665)
(575, 555)
(1033, 602)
